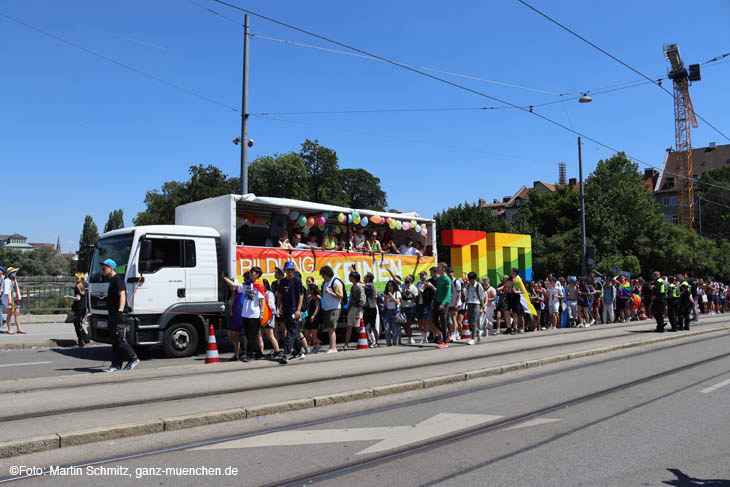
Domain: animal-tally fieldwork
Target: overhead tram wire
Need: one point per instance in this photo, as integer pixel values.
(121, 64)
(395, 137)
(453, 84)
(523, 2)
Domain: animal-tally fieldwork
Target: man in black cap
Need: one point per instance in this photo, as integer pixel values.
(116, 303)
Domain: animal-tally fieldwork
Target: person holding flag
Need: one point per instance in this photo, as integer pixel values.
(525, 304)
(622, 301)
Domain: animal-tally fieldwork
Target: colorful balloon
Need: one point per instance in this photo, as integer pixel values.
(406, 226)
(321, 220)
(321, 228)
(392, 224)
(341, 218)
(389, 220)
(418, 228)
(375, 219)
(305, 231)
(364, 221)
(293, 215)
(338, 230)
(356, 219)
(355, 215)
(349, 218)
(285, 210)
(424, 232)
(414, 223)
(398, 224)
(302, 221)
(326, 214)
(310, 221)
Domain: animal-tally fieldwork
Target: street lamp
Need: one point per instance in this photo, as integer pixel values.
(585, 98)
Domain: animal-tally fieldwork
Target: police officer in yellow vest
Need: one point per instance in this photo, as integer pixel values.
(673, 301)
(659, 291)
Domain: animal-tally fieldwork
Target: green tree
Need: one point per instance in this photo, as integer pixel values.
(115, 221)
(363, 189)
(324, 174)
(281, 176)
(87, 240)
(713, 207)
(619, 209)
(205, 182)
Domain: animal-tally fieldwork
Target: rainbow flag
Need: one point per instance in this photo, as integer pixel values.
(624, 290)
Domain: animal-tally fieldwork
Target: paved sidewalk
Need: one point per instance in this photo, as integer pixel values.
(56, 334)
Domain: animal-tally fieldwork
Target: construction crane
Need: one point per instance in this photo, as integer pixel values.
(684, 116)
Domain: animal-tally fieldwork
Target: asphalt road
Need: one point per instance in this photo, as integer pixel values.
(670, 430)
(49, 362)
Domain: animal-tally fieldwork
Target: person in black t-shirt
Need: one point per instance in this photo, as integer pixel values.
(79, 309)
(116, 302)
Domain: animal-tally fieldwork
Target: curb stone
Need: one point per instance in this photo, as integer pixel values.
(60, 440)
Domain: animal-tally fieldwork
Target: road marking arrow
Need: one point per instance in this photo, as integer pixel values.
(391, 436)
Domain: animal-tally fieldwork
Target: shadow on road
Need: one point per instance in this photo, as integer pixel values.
(684, 480)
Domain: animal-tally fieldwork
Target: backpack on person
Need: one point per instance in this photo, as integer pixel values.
(343, 301)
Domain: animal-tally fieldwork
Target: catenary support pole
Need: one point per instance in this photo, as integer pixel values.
(582, 213)
(244, 110)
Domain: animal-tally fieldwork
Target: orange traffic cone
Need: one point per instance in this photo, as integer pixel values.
(642, 314)
(211, 355)
(465, 330)
(362, 337)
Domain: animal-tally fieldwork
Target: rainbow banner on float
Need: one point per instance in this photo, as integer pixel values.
(308, 263)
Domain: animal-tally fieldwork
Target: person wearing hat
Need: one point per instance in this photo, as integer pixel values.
(79, 309)
(116, 303)
(11, 299)
(2, 287)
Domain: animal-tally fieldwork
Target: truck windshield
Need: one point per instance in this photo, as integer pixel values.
(116, 248)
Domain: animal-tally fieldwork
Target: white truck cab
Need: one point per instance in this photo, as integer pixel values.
(173, 282)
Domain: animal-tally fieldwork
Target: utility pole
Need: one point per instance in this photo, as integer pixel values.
(582, 213)
(244, 111)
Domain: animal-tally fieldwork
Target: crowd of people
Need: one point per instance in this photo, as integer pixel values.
(359, 240)
(441, 305)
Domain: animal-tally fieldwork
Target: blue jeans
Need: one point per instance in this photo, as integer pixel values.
(392, 334)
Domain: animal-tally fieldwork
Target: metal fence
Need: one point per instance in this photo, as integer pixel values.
(44, 295)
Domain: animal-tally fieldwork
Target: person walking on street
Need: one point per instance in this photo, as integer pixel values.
(289, 306)
(673, 300)
(79, 309)
(11, 299)
(116, 306)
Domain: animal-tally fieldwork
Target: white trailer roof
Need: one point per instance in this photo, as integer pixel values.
(320, 207)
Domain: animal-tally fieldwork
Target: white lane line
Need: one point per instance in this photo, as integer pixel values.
(715, 387)
(26, 363)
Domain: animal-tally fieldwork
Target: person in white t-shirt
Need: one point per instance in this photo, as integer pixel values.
(555, 294)
(254, 294)
(358, 239)
(408, 248)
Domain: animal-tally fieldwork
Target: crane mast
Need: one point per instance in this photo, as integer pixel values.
(684, 119)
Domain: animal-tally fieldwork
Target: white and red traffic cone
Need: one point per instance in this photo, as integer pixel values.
(211, 355)
(362, 337)
(465, 330)
(642, 314)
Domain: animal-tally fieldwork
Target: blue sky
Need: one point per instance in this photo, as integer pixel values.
(80, 135)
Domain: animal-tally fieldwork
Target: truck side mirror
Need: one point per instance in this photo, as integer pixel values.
(145, 255)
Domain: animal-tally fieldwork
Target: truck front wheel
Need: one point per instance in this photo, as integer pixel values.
(181, 340)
